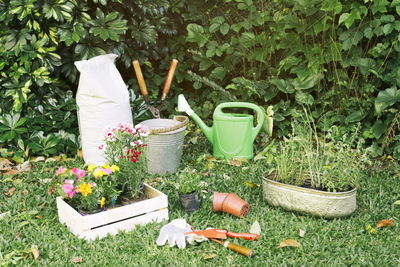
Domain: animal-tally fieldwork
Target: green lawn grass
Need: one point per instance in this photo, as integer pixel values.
(33, 221)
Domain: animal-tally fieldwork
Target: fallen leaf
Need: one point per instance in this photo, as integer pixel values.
(50, 160)
(51, 189)
(25, 256)
(24, 167)
(289, 243)
(236, 162)
(209, 256)
(23, 209)
(384, 223)
(249, 184)
(5, 214)
(79, 153)
(41, 158)
(397, 202)
(18, 235)
(5, 164)
(35, 252)
(38, 216)
(370, 229)
(255, 228)
(211, 158)
(302, 233)
(11, 172)
(26, 152)
(76, 259)
(11, 191)
(25, 192)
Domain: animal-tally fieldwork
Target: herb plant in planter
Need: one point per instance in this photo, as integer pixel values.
(188, 185)
(315, 174)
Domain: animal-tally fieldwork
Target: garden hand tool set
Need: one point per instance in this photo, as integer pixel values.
(143, 88)
(216, 234)
(179, 231)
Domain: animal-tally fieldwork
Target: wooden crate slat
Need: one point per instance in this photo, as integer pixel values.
(126, 225)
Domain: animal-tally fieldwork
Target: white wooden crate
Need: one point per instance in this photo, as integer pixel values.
(124, 218)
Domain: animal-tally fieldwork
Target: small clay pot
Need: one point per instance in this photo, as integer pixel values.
(218, 199)
(190, 202)
(230, 203)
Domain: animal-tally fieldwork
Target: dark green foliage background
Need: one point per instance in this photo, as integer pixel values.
(340, 59)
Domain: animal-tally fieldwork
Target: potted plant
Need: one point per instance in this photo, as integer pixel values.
(124, 146)
(88, 191)
(315, 174)
(188, 185)
(107, 184)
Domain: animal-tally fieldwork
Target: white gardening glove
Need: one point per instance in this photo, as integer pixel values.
(174, 232)
(191, 238)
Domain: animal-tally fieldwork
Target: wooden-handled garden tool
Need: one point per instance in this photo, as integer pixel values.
(143, 88)
(215, 234)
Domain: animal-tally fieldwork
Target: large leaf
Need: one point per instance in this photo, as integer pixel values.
(386, 98)
(196, 34)
(283, 85)
(304, 98)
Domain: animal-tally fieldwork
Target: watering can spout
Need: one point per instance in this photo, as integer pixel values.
(183, 106)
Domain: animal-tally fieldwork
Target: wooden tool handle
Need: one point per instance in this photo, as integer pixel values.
(239, 249)
(140, 78)
(168, 82)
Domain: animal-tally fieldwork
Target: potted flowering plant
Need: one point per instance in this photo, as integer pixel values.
(89, 190)
(124, 146)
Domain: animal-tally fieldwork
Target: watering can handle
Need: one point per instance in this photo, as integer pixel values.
(257, 109)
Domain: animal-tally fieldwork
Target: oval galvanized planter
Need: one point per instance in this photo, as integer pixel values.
(309, 201)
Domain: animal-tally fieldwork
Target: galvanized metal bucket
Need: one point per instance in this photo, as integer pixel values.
(164, 149)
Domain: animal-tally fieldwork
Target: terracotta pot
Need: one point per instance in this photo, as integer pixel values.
(218, 199)
(230, 203)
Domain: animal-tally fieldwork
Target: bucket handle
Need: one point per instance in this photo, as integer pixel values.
(183, 121)
(259, 112)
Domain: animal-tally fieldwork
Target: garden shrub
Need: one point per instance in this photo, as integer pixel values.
(39, 42)
(339, 59)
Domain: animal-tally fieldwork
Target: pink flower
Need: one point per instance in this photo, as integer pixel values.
(107, 171)
(60, 171)
(79, 173)
(101, 147)
(68, 188)
(93, 184)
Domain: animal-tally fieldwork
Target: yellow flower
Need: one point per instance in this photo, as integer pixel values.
(85, 189)
(103, 201)
(371, 229)
(91, 167)
(114, 168)
(105, 166)
(99, 173)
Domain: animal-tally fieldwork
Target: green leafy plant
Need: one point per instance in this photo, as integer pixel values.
(187, 181)
(326, 163)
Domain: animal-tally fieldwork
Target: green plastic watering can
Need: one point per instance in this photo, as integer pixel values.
(232, 135)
